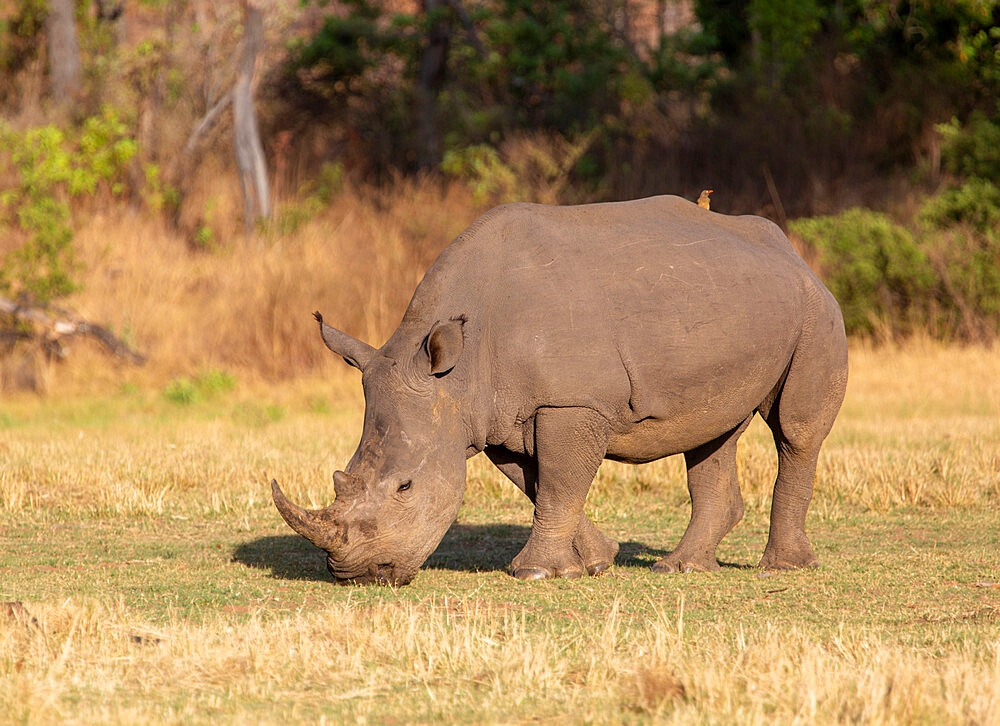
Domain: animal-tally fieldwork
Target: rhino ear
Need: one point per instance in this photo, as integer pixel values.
(350, 349)
(444, 345)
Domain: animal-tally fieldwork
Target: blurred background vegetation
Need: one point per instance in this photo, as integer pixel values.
(136, 190)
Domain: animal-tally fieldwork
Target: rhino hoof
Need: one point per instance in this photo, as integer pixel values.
(672, 564)
(531, 573)
(597, 569)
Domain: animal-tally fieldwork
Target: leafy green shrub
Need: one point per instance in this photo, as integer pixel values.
(943, 273)
(972, 149)
(873, 266)
(975, 203)
(50, 167)
(968, 267)
(481, 167)
(962, 235)
(182, 391)
(212, 382)
(532, 168)
(207, 384)
(103, 150)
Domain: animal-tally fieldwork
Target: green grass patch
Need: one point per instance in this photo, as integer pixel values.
(207, 384)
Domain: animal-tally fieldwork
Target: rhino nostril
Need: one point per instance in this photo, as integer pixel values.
(384, 574)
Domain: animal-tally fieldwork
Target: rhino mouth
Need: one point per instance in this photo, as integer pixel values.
(376, 574)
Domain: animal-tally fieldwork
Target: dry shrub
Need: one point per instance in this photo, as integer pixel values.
(209, 211)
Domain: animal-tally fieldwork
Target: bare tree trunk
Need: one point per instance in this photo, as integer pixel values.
(64, 51)
(430, 79)
(249, 151)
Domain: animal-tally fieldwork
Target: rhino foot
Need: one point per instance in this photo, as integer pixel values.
(541, 560)
(592, 553)
(792, 555)
(596, 549)
(543, 573)
(678, 561)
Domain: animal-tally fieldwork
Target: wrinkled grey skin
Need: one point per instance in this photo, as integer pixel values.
(552, 338)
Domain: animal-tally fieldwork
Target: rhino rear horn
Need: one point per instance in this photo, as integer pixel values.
(352, 350)
(317, 525)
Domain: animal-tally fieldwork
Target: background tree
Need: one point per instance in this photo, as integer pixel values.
(246, 134)
(63, 49)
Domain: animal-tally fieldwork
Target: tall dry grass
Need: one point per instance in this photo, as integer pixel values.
(920, 427)
(247, 306)
(460, 660)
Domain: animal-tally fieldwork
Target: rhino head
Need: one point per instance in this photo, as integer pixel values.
(403, 487)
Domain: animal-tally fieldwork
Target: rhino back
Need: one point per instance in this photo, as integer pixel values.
(671, 321)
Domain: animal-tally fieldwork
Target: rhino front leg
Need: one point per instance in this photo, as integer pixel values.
(570, 444)
(596, 549)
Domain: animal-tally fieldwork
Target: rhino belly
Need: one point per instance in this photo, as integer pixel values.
(654, 438)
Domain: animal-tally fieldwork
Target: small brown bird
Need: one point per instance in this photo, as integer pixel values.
(703, 201)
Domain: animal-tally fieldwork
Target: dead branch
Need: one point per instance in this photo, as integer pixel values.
(54, 329)
(206, 122)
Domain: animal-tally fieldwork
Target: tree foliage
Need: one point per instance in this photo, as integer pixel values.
(812, 88)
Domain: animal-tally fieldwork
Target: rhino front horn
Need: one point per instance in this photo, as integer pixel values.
(316, 525)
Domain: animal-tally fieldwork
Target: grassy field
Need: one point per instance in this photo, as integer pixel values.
(147, 577)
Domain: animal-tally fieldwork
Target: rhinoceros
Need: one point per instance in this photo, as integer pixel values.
(554, 337)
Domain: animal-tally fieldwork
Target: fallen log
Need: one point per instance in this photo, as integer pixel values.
(57, 325)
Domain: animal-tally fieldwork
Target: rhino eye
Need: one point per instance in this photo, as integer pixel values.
(405, 485)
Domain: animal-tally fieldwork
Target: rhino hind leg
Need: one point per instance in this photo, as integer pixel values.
(596, 550)
(800, 418)
(788, 546)
(716, 504)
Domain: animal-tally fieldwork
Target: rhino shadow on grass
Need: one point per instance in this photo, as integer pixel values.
(465, 548)
(288, 557)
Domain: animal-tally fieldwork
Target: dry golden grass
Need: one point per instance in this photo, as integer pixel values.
(920, 427)
(457, 660)
(248, 305)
